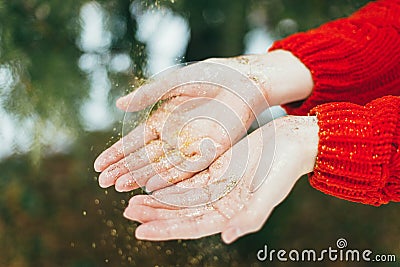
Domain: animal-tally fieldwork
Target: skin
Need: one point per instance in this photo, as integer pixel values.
(201, 183)
(187, 211)
(210, 105)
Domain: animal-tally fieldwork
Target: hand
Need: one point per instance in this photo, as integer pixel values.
(209, 107)
(238, 192)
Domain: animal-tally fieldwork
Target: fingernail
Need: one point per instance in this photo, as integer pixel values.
(150, 186)
(231, 234)
(140, 232)
(103, 185)
(125, 214)
(98, 164)
(130, 213)
(102, 162)
(102, 180)
(121, 101)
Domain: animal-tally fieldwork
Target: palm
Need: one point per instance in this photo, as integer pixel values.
(236, 194)
(196, 124)
(181, 138)
(199, 206)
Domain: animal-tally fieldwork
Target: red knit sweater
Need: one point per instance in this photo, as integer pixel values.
(357, 60)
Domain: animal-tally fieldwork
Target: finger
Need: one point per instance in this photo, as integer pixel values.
(136, 139)
(143, 213)
(166, 179)
(174, 82)
(142, 175)
(150, 201)
(126, 183)
(179, 173)
(192, 192)
(136, 160)
(204, 154)
(206, 224)
(109, 176)
(182, 183)
(184, 197)
(252, 217)
(201, 179)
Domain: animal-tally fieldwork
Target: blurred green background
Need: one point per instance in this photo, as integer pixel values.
(62, 65)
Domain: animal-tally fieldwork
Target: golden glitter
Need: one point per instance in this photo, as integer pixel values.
(242, 60)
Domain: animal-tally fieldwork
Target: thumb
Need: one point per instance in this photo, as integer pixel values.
(246, 222)
(191, 80)
(144, 96)
(198, 79)
(273, 191)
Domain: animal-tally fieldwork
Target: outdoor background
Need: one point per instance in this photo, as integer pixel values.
(63, 64)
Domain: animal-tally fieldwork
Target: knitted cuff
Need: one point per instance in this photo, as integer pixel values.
(354, 59)
(358, 151)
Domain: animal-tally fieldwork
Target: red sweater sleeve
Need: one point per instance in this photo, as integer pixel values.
(359, 151)
(354, 59)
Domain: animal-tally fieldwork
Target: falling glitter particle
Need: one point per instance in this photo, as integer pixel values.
(113, 232)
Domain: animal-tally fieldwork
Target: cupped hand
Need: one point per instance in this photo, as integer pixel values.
(207, 107)
(238, 192)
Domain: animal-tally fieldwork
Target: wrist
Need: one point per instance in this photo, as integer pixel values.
(310, 132)
(301, 133)
(290, 80)
(276, 78)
